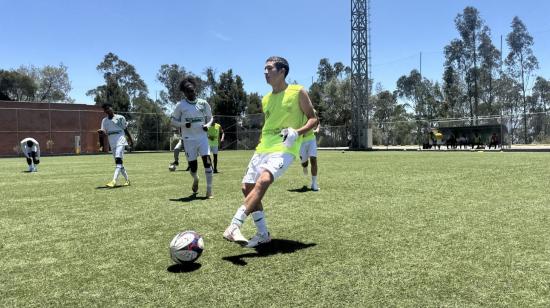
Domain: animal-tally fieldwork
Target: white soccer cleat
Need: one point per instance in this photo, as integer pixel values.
(315, 187)
(30, 168)
(258, 239)
(35, 169)
(209, 194)
(233, 234)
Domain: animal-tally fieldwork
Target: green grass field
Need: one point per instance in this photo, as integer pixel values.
(387, 229)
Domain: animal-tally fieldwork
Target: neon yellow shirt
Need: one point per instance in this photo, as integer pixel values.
(281, 110)
(214, 135)
(310, 135)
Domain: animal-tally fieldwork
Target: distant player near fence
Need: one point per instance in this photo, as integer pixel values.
(31, 150)
(116, 128)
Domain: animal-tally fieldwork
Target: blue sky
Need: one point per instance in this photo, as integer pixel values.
(241, 34)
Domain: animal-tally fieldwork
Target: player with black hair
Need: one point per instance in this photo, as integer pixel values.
(31, 150)
(194, 116)
(116, 128)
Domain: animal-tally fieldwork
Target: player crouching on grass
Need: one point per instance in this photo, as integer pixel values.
(285, 109)
(31, 150)
(116, 128)
(194, 116)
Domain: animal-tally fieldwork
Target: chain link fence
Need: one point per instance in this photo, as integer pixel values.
(62, 131)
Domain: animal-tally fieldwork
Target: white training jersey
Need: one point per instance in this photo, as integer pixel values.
(27, 150)
(198, 113)
(114, 128)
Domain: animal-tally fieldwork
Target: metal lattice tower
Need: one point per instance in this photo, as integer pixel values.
(360, 62)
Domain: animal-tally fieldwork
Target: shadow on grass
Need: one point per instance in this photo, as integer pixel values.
(303, 189)
(272, 248)
(184, 268)
(189, 198)
(105, 187)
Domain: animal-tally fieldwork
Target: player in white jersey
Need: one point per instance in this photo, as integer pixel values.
(115, 127)
(194, 116)
(31, 150)
(308, 151)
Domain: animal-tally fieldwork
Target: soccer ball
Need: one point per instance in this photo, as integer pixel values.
(186, 246)
(172, 167)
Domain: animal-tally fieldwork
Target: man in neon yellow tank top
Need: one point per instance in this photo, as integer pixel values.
(286, 109)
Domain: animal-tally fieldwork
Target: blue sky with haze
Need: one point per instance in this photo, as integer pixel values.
(241, 34)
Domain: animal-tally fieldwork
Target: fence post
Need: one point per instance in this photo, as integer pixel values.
(236, 134)
(156, 116)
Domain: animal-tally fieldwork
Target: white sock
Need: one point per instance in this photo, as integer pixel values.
(208, 175)
(117, 171)
(194, 175)
(313, 180)
(259, 221)
(240, 216)
(123, 171)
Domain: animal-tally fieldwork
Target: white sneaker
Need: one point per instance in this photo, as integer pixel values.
(258, 239)
(233, 234)
(315, 187)
(305, 170)
(35, 169)
(30, 168)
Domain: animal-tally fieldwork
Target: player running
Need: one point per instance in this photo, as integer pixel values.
(115, 127)
(194, 116)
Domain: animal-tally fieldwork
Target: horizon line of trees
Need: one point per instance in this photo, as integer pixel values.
(476, 82)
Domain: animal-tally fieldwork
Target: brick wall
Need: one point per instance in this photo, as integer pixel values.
(54, 126)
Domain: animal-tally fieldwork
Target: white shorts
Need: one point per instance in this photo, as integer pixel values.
(275, 163)
(308, 149)
(195, 148)
(119, 151)
(214, 149)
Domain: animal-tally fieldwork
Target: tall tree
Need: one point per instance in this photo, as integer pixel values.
(112, 93)
(330, 93)
(412, 90)
(52, 83)
(124, 74)
(254, 118)
(541, 90)
(469, 25)
(15, 86)
(150, 125)
(489, 69)
(171, 76)
(229, 97)
(229, 101)
(453, 94)
(521, 62)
